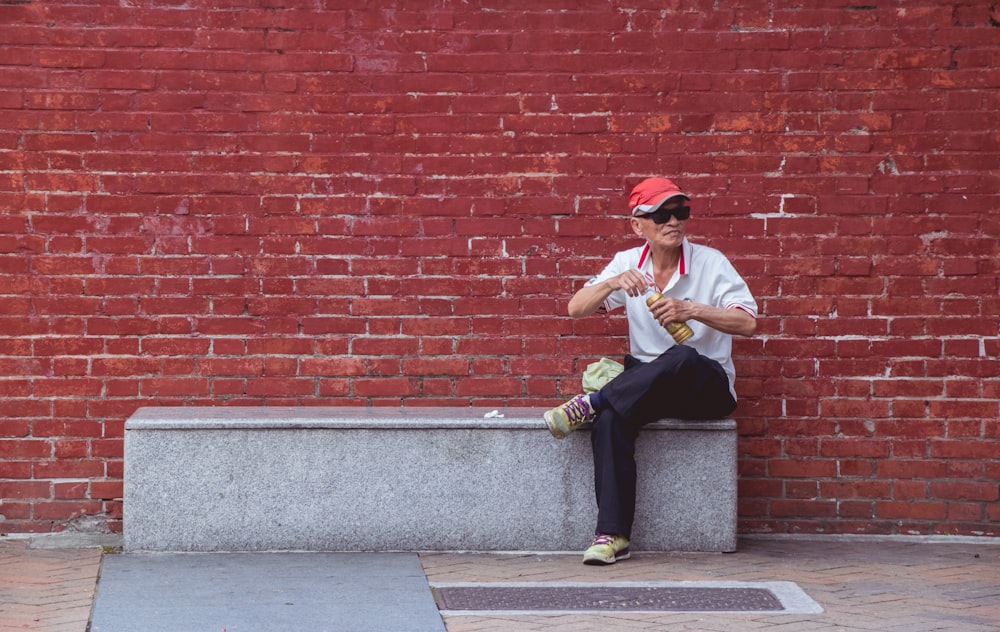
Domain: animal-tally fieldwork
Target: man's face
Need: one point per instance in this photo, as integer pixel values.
(670, 231)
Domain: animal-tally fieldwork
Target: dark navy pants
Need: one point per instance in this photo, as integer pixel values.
(681, 384)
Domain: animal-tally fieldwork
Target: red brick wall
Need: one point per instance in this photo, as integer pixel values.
(381, 203)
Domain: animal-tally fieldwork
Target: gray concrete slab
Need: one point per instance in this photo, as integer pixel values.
(390, 479)
(264, 592)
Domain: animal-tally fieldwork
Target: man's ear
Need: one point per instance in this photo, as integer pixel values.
(636, 225)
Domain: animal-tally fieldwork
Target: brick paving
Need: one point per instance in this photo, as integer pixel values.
(46, 589)
(862, 584)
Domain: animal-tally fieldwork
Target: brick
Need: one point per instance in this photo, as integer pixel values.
(68, 469)
(66, 449)
(488, 386)
(802, 469)
(987, 492)
(281, 387)
(25, 448)
(107, 448)
(962, 449)
(25, 489)
(855, 448)
(106, 489)
(66, 428)
(803, 508)
(63, 510)
(185, 387)
(911, 510)
(438, 366)
(855, 489)
(385, 387)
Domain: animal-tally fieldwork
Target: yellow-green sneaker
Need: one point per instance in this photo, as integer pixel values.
(567, 417)
(606, 549)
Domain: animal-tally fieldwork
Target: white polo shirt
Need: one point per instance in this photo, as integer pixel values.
(703, 275)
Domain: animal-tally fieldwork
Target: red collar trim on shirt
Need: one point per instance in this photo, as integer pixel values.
(681, 265)
(642, 257)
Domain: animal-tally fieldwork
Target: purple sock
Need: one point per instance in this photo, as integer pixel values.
(597, 401)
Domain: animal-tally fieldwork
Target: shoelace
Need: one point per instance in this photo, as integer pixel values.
(602, 539)
(577, 410)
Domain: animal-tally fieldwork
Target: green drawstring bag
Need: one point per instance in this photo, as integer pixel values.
(600, 373)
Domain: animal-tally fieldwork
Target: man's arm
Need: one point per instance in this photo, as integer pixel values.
(590, 297)
(731, 320)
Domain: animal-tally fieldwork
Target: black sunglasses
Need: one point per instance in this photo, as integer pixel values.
(662, 215)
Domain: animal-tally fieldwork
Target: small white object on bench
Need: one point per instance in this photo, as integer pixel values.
(413, 479)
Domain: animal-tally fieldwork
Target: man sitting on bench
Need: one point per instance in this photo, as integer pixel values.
(671, 370)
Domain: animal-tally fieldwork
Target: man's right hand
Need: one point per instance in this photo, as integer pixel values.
(632, 281)
(590, 297)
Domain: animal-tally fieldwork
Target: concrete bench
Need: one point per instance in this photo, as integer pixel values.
(414, 479)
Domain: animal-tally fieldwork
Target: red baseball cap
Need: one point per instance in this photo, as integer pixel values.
(648, 195)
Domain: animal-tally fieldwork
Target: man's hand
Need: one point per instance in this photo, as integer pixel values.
(732, 321)
(632, 281)
(671, 310)
(589, 298)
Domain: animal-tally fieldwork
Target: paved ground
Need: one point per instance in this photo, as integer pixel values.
(862, 584)
(46, 589)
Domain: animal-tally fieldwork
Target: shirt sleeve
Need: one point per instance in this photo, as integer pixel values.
(732, 291)
(617, 298)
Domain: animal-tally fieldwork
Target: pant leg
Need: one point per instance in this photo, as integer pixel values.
(680, 383)
(613, 442)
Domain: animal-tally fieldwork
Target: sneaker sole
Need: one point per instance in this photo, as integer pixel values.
(601, 561)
